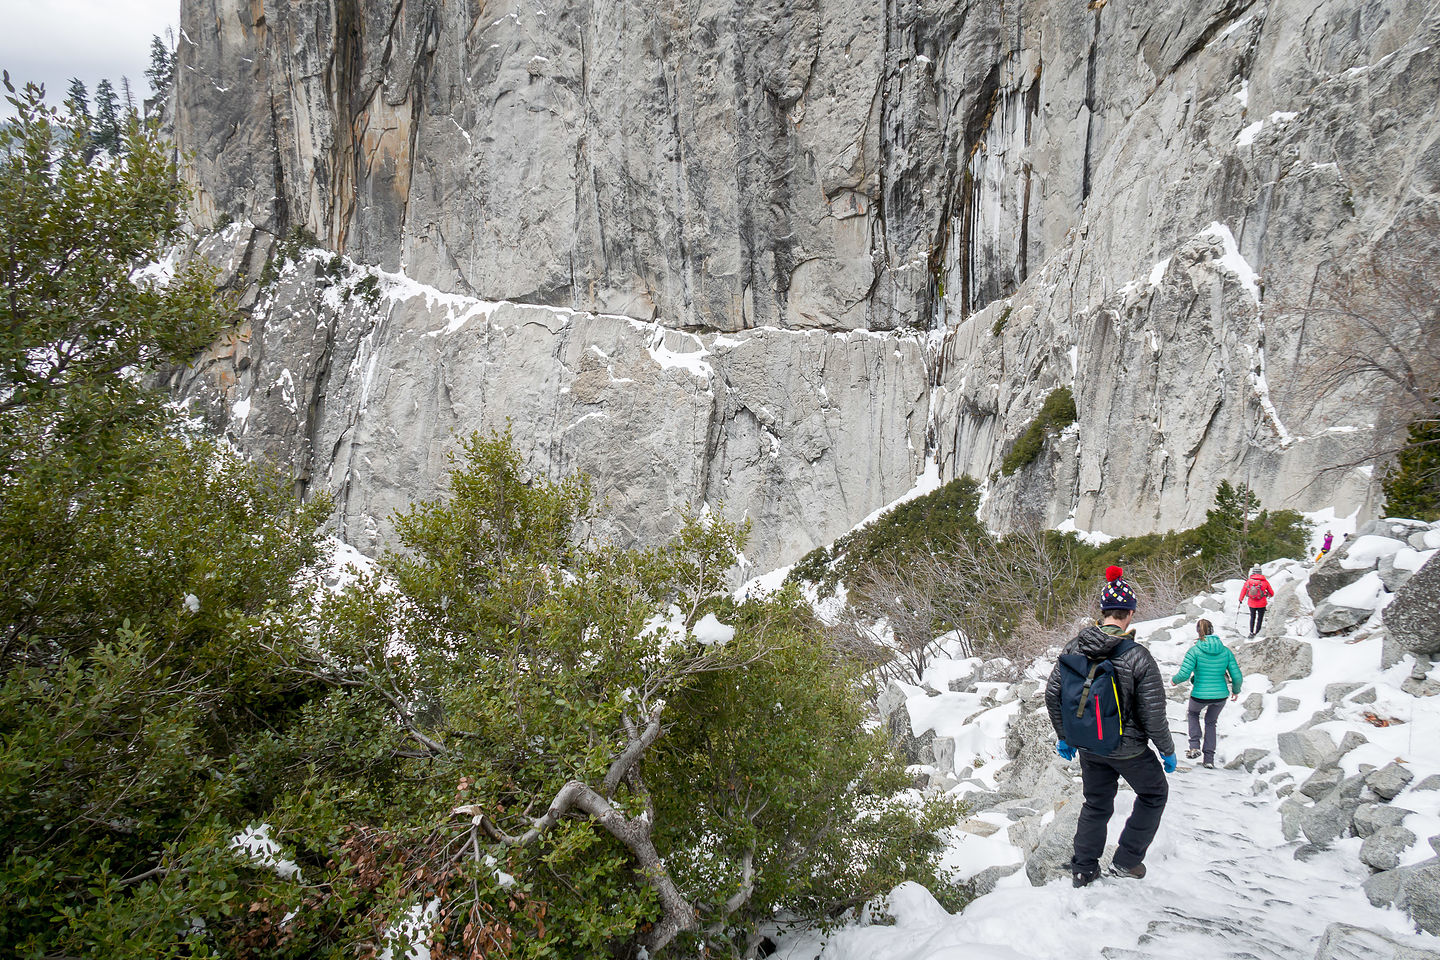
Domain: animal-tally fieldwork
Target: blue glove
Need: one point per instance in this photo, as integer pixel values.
(1065, 750)
(1170, 762)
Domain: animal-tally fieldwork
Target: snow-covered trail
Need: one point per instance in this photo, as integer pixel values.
(1223, 881)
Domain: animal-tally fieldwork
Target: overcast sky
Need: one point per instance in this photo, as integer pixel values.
(50, 41)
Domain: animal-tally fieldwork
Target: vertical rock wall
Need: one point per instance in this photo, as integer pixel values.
(1124, 197)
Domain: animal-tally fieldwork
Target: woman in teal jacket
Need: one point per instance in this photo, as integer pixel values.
(1211, 662)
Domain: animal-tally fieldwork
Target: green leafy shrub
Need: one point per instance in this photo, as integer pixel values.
(917, 525)
(1412, 485)
(1057, 413)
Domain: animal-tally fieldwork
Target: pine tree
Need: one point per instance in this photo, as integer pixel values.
(77, 98)
(161, 72)
(107, 118)
(1412, 487)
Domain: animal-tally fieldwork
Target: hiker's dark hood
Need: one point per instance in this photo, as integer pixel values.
(1096, 643)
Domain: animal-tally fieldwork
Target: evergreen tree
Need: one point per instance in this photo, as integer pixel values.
(1412, 487)
(77, 98)
(1239, 532)
(161, 72)
(108, 125)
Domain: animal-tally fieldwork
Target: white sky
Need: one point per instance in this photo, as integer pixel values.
(50, 41)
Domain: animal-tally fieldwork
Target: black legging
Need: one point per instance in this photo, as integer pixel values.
(1257, 617)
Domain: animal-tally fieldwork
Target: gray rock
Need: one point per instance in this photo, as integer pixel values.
(1420, 687)
(1387, 782)
(915, 749)
(1370, 817)
(518, 159)
(1391, 651)
(1392, 576)
(1254, 706)
(1247, 759)
(943, 749)
(1364, 696)
(1343, 941)
(892, 698)
(1332, 574)
(1336, 692)
(1383, 888)
(1332, 618)
(1434, 843)
(1308, 851)
(1420, 890)
(1292, 817)
(1431, 782)
(1279, 658)
(1331, 817)
(1050, 858)
(1413, 617)
(1382, 849)
(1286, 704)
(1351, 740)
(1306, 748)
(1417, 541)
(1030, 745)
(1321, 782)
(984, 881)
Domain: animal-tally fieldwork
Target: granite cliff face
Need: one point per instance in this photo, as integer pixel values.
(777, 253)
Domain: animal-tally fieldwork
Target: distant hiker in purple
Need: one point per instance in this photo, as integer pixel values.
(1256, 592)
(1211, 663)
(1325, 547)
(1104, 662)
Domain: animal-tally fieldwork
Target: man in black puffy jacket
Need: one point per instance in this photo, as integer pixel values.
(1142, 694)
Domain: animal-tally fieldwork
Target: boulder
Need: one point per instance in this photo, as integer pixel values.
(1050, 857)
(1420, 687)
(1335, 692)
(1382, 849)
(1413, 617)
(1247, 759)
(1431, 782)
(1279, 658)
(1396, 574)
(943, 749)
(1030, 745)
(1340, 568)
(1343, 941)
(1420, 890)
(1333, 816)
(984, 881)
(1364, 696)
(1370, 817)
(1396, 528)
(1321, 782)
(1387, 782)
(1286, 704)
(1292, 817)
(1254, 706)
(1307, 748)
(1332, 617)
(1383, 889)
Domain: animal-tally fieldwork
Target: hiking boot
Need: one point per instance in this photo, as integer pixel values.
(1209, 764)
(1133, 873)
(1082, 879)
(1191, 754)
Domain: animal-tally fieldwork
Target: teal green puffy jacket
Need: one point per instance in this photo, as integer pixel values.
(1210, 660)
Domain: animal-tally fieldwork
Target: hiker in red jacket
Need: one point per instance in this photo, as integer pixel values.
(1257, 593)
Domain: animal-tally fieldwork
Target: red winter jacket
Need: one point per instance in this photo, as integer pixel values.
(1265, 593)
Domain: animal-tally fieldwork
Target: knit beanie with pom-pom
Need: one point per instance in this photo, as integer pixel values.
(1113, 573)
(1117, 595)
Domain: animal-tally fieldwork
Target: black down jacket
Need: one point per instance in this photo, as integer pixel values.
(1142, 692)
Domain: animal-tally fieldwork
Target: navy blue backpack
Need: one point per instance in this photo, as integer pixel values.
(1090, 701)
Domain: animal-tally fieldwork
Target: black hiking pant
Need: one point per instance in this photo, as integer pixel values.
(1100, 777)
(1257, 617)
(1211, 709)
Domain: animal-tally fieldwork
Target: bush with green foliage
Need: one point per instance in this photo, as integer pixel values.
(643, 785)
(1239, 533)
(1057, 413)
(1412, 485)
(915, 526)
